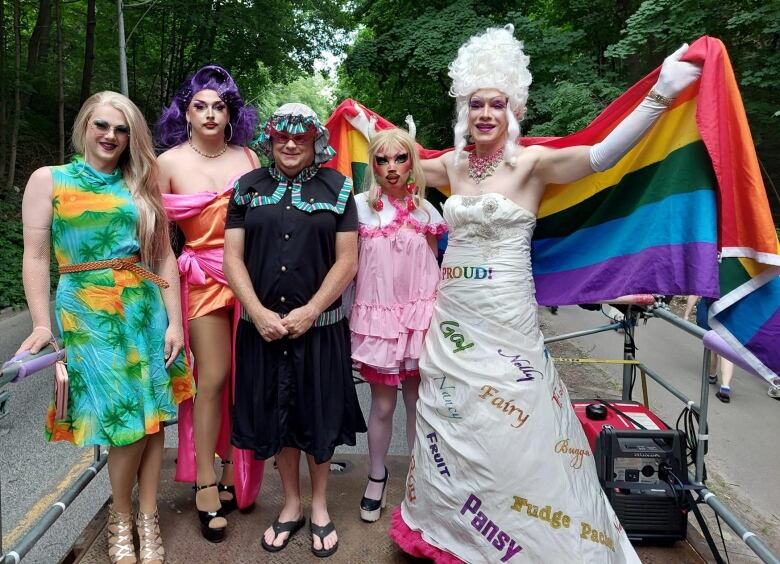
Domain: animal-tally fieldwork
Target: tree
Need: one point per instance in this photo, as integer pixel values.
(750, 29)
(315, 91)
(38, 45)
(3, 92)
(60, 85)
(89, 53)
(17, 94)
(398, 63)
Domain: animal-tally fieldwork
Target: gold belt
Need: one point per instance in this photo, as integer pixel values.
(124, 263)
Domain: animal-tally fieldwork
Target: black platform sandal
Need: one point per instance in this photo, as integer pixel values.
(211, 534)
(228, 505)
(371, 509)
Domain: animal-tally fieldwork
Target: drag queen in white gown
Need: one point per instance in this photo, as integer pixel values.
(501, 470)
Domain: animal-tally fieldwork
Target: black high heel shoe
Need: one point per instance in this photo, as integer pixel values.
(211, 534)
(228, 505)
(371, 509)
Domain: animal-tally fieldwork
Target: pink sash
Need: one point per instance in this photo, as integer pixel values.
(193, 266)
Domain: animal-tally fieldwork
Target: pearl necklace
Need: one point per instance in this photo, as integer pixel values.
(214, 156)
(483, 166)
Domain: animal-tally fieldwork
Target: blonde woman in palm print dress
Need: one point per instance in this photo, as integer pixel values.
(121, 322)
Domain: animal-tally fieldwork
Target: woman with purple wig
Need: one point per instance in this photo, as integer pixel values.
(205, 130)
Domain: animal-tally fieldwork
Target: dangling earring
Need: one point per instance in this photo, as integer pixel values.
(411, 185)
(379, 204)
(189, 130)
(229, 137)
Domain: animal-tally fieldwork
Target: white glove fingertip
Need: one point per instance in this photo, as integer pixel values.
(677, 55)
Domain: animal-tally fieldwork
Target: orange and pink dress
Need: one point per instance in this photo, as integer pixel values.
(201, 217)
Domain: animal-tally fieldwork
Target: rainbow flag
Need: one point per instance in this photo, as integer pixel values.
(684, 212)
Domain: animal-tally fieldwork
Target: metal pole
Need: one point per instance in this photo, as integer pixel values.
(628, 351)
(748, 537)
(582, 333)
(34, 534)
(669, 387)
(703, 437)
(122, 55)
(686, 326)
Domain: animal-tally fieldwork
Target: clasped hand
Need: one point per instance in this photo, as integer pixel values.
(676, 75)
(272, 326)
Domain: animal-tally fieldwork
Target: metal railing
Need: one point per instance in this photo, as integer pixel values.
(27, 541)
(660, 311)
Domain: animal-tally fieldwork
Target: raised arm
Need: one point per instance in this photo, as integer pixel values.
(570, 164)
(36, 224)
(436, 170)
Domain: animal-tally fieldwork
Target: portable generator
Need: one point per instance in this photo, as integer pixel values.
(641, 466)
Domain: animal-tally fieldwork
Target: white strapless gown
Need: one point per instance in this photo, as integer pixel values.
(501, 469)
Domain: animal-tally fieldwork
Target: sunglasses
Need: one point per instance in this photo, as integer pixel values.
(104, 127)
(299, 139)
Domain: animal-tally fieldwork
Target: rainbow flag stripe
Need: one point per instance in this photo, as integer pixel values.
(684, 212)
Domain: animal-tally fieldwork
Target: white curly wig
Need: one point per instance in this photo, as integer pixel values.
(493, 59)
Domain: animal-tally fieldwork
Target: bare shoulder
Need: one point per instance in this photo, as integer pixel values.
(244, 152)
(40, 182)
(535, 153)
(448, 159)
(170, 156)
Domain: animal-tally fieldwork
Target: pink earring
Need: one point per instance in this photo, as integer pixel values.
(379, 204)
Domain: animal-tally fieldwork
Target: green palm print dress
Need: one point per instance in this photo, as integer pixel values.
(113, 322)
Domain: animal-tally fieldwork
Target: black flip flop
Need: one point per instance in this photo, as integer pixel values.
(323, 531)
(291, 527)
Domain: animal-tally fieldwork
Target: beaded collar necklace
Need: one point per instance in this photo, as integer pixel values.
(483, 166)
(208, 155)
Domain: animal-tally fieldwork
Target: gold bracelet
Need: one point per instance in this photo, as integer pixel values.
(656, 97)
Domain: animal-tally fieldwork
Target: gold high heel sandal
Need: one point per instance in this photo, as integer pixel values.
(120, 537)
(151, 549)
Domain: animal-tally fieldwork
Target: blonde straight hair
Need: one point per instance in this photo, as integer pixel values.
(139, 170)
(390, 139)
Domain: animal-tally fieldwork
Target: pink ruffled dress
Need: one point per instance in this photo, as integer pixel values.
(395, 288)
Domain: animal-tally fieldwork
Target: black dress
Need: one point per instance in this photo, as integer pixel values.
(293, 392)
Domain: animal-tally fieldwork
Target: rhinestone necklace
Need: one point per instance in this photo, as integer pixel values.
(483, 166)
(214, 156)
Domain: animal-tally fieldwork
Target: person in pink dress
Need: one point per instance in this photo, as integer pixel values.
(394, 294)
(205, 129)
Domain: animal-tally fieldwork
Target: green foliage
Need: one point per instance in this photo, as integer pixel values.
(398, 63)
(572, 107)
(750, 30)
(11, 292)
(11, 250)
(316, 91)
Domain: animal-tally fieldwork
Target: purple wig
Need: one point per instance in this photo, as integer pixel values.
(172, 125)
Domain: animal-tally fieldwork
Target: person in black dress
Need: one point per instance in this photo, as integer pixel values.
(290, 250)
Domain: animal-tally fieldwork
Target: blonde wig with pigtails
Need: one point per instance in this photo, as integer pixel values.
(389, 139)
(493, 59)
(139, 170)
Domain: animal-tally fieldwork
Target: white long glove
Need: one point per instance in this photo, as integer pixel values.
(675, 77)
(362, 123)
